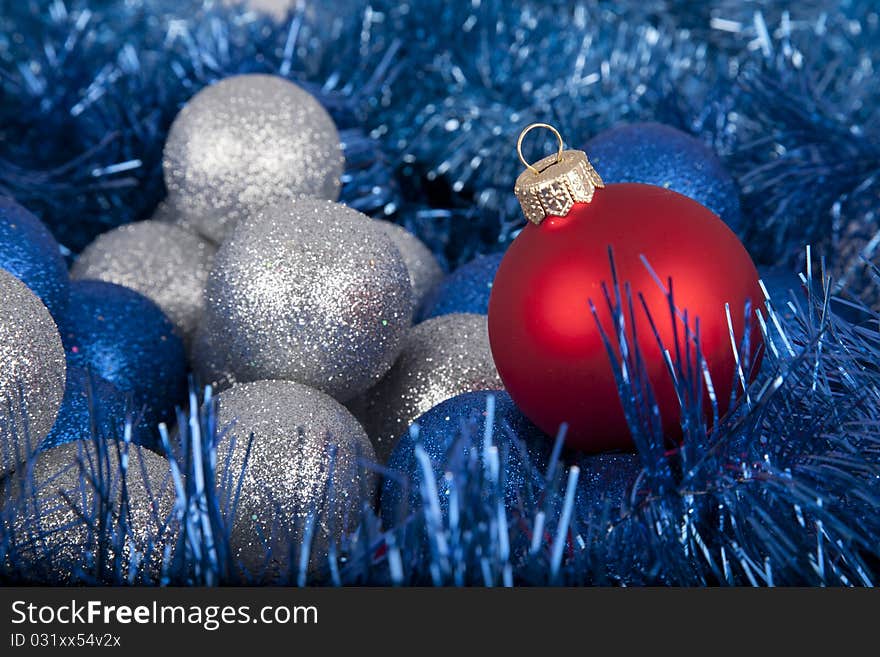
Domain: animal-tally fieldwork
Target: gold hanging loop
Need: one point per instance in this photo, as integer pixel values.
(552, 185)
(526, 131)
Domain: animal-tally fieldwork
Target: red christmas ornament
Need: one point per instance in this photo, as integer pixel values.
(545, 341)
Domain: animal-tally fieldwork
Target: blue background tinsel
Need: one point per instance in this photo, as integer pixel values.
(429, 97)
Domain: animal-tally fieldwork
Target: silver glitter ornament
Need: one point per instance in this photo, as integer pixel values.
(32, 371)
(441, 358)
(69, 491)
(305, 461)
(424, 270)
(165, 263)
(311, 292)
(245, 143)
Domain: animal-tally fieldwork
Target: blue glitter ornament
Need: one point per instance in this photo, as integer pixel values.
(660, 155)
(449, 433)
(91, 401)
(466, 290)
(30, 253)
(605, 482)
(124, 338)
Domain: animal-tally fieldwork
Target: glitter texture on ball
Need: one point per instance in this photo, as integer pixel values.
(661, 155)
(57, 492)
(606, 482)
(32, 371)
(424, 270)
(165, 263)
(466, 290)
(311, 292)
(306, 458)
(441, 358)
(245, 143)
(123, 337)
(30, 253)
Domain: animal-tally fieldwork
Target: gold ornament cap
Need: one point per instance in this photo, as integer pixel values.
(551, 186)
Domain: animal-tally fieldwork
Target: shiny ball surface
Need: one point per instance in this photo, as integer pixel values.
(163, 262)
(424, 270)
(245, 143)
(30, 253)
(441, 358)
(311, 292)
(546, 342)
(658, 154)
(58, 494)
(32, 371)
(288, 472)
(123, 337)
(466, 290)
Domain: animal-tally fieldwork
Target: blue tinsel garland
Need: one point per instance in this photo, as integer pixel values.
(430, 104)
(429, 97)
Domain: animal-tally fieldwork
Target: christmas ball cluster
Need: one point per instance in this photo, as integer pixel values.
(307, 305)
(303, 292)
(76, 358)
(329, 334)
(251, 275)
(82, 350)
